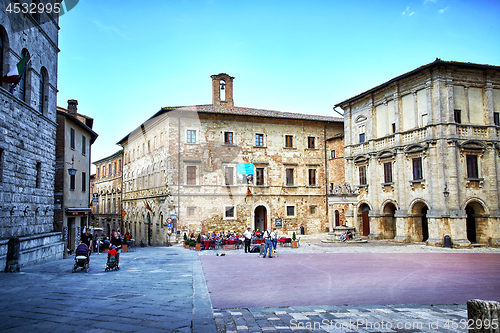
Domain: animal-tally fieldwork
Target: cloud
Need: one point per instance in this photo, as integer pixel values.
(427, 1)
(108, 28)
(441, 11)
(406, 10)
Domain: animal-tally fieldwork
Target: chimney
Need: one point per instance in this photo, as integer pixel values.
(72, 107)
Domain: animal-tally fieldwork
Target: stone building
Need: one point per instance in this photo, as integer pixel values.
(28, 139)
(338, 203)
(217, 167)
(424, 150)
(73, 151)
(108, 190)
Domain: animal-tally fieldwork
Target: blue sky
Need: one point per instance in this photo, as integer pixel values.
(124, 60)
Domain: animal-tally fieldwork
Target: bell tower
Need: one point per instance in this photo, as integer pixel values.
(222, 90)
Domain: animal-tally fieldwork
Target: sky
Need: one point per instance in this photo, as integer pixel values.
(124, 60)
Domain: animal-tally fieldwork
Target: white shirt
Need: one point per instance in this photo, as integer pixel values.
(248, 234)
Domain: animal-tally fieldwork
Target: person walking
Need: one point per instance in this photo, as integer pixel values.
(269, 243)
(274, 238)
(248, 239)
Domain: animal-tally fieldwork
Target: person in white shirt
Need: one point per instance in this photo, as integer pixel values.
(274, 238)
(248, 239)
(269, 243)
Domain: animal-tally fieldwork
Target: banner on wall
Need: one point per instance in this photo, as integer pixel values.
(244, 172)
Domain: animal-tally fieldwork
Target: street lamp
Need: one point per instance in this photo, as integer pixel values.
(72, 170)
(446, 193)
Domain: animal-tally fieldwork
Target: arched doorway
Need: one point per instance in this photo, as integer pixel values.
(337, 218)
(365, 219)
(260, 218)
(471, 224)
(150, 231)
(388, 221)
(420, 229)
(425, 224)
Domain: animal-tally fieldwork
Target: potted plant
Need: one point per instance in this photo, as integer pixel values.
(198, 243)
(294, 241)
(192, 244)
(124, 244)
(186, 241)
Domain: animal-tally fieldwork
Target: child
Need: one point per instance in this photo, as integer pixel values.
(112, 253)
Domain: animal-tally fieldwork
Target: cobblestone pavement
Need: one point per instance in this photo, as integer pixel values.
(391, 318)
(365, 318)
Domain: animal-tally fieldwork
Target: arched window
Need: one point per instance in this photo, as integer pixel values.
(4, 46)
(42, 91)
(21, 87)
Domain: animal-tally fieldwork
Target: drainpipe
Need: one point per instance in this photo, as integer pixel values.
(179, 169)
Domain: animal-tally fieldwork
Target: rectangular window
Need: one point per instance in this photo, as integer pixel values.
(109, 206)
(290, 210)
(72, 138)
(119, 165)
(312, 177)
(109, 169)
(289, 141)
(228, 175)
(259, 140)
(229, 212)
(312, 210)
(191, 175)
(190, 211)
(361, 137)
(228, 138)
(472, 168)
(191, 136)
(38, 174)
(311, 142)
(72, 182)
(115, 168)
(333, 153)
(417, 168)
(362, 175)
(97, 172)
(84, 181)
(458, 117)
(495, 118)
(84, 145)
(259, 176)
(393, 127)
(388, 172)
(289, 177)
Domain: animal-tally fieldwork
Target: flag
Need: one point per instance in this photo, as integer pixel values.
(283, 189)
(148, 207)
(16, 72)
(123, 213)
(248, 191)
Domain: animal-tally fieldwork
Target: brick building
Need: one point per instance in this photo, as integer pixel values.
(424, 150)
(108, 190)
(27, 143)
(217, 167)
(73, 151)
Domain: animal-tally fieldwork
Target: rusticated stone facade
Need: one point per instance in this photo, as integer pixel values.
(28, 137)
(336, 179)
(107, 186)
(424, 151)
(212, 168)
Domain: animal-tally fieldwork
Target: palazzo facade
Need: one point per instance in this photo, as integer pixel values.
(217, 167)
(424, 151)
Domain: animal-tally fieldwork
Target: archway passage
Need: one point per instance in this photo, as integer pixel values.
(471, 224)
(365, 219)
(260, 218)
(389, 221)
(425, 224)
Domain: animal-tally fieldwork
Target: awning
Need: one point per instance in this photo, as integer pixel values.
(78, 211)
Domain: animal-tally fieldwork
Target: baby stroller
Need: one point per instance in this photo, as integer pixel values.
(82, 258)
(113, 265)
